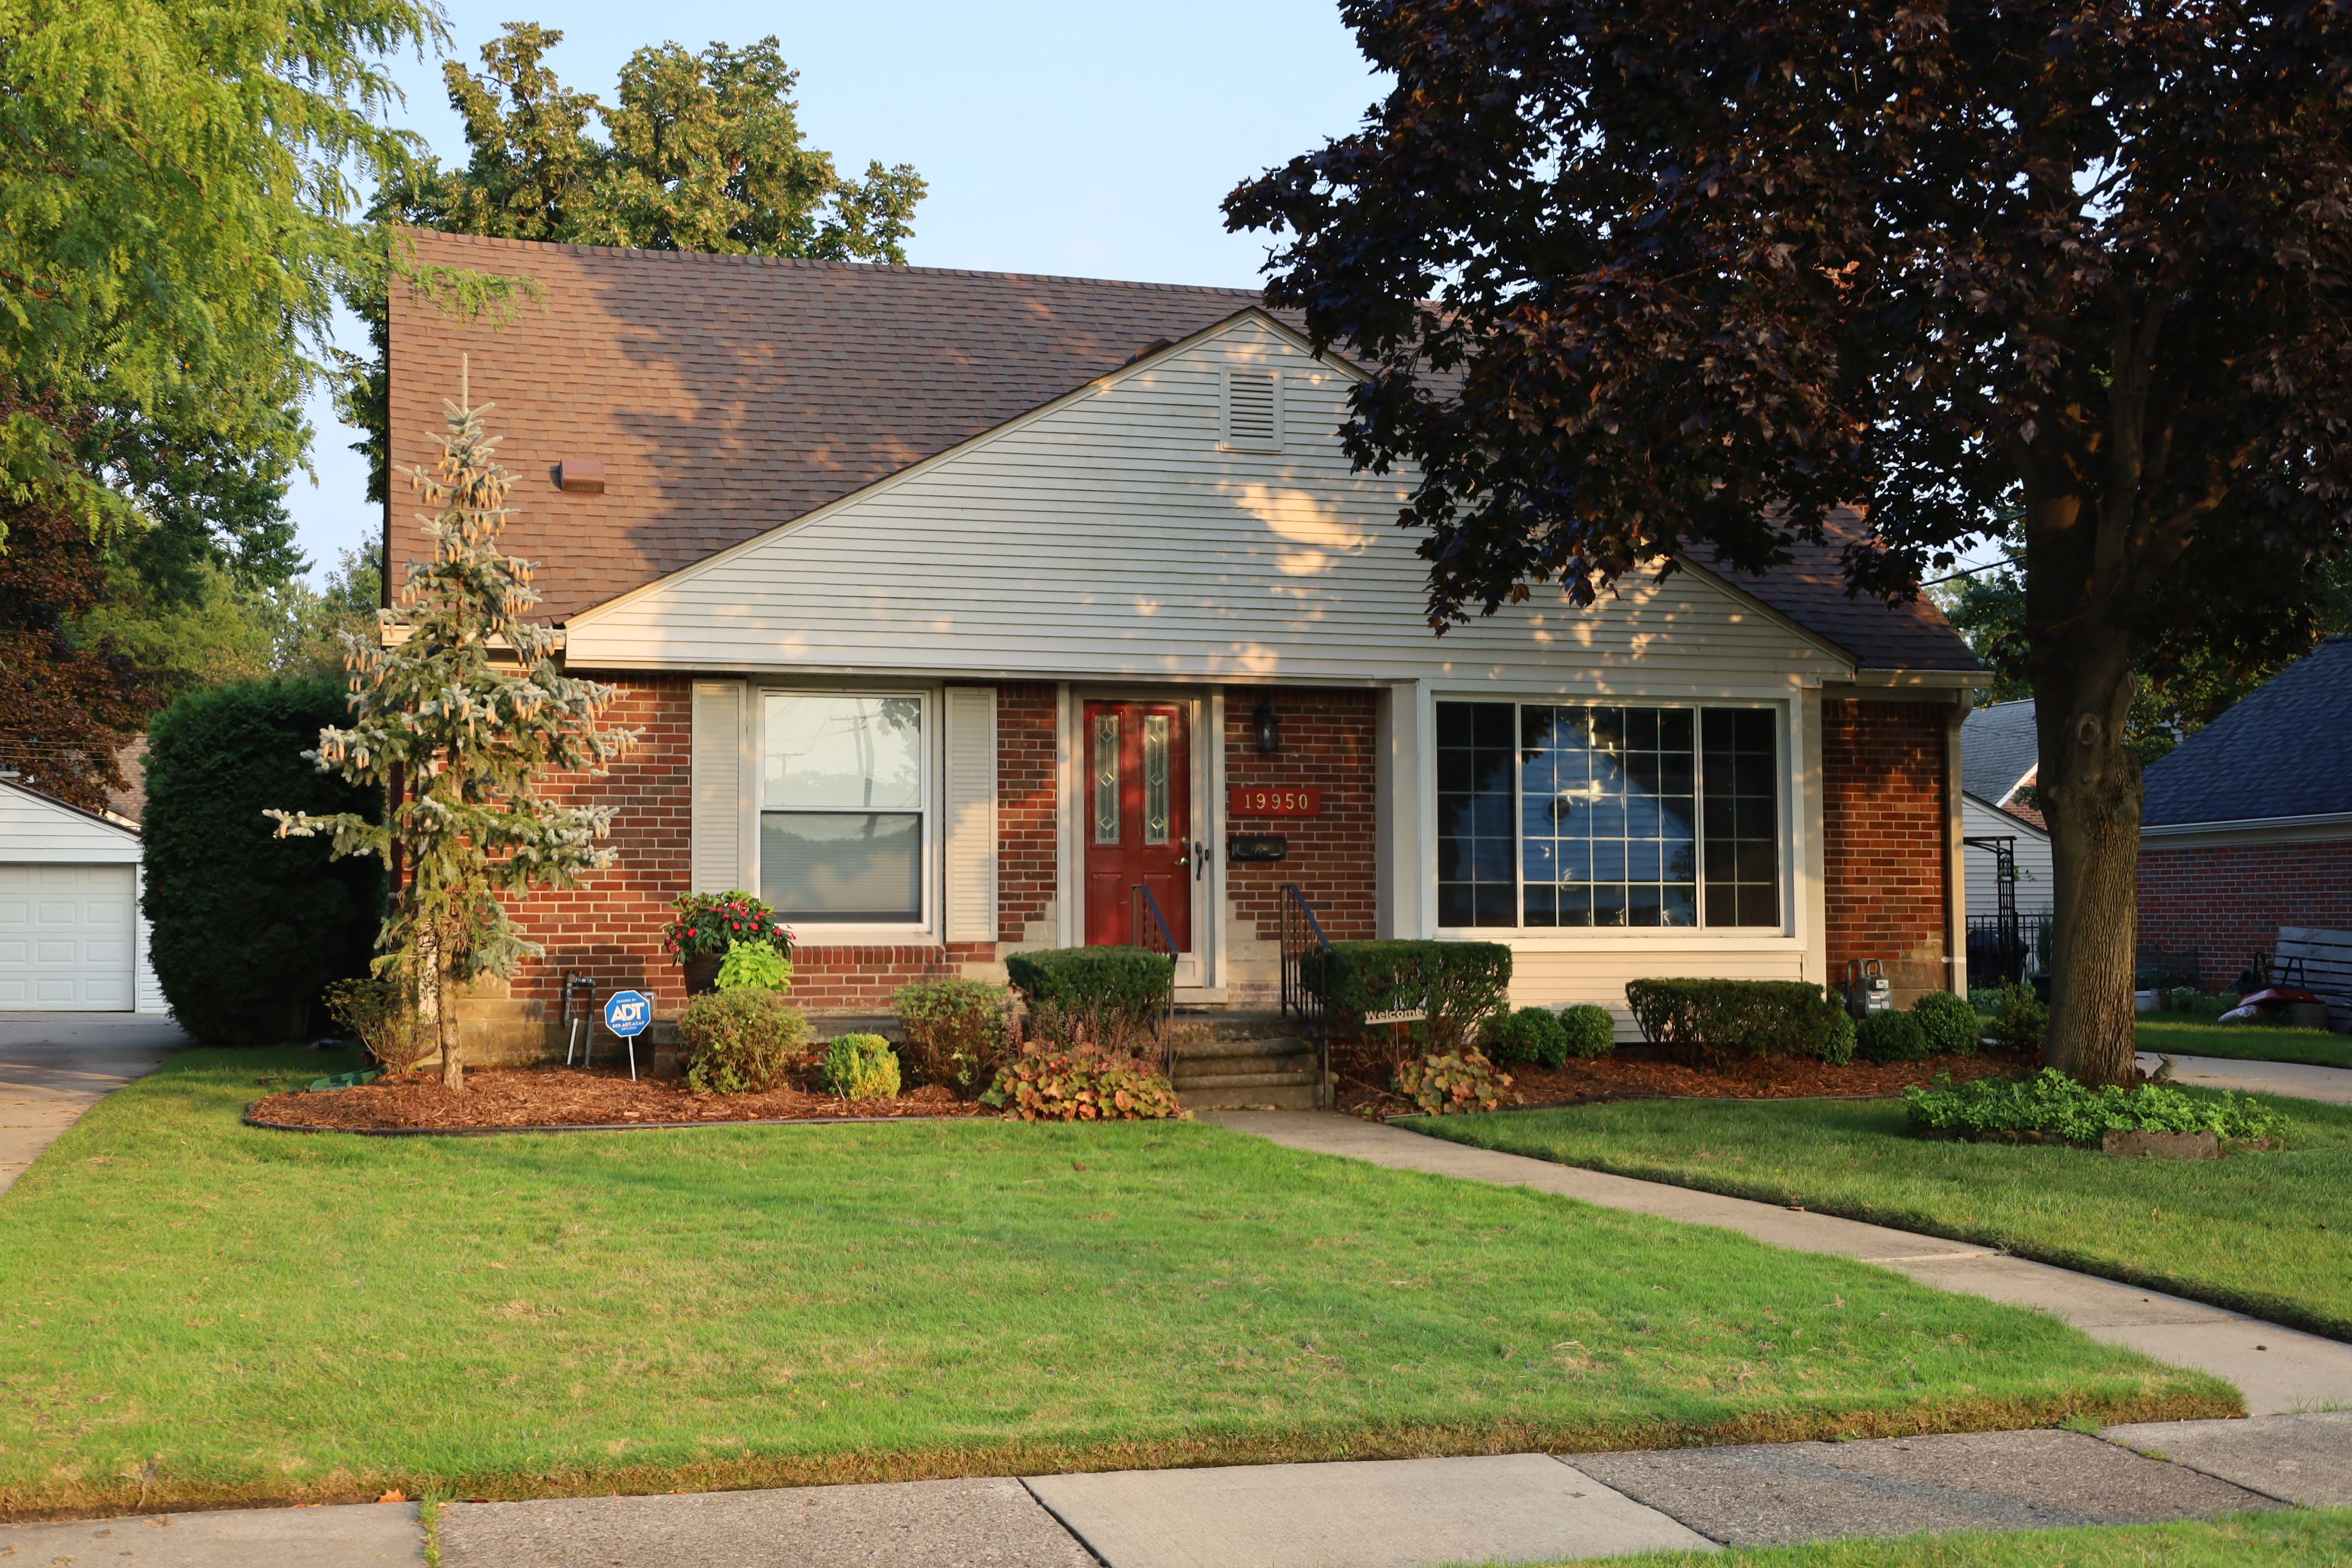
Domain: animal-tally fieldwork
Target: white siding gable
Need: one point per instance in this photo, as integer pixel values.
(2036, 892)
(34, 827)
(1121, 532)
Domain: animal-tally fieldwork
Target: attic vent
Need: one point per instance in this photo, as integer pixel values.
(1253, 411)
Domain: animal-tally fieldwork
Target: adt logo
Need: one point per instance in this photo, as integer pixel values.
(627, 1012)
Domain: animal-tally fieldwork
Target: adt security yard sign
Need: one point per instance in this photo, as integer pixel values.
(627, 1012)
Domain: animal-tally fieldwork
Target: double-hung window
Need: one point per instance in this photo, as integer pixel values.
(1578, 814)
(843, 807)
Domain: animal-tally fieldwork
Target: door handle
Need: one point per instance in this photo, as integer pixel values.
(1198, 860)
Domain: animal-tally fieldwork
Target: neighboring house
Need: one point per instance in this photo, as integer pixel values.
(72, 937)
(2247, 825)
(954, 607)
(2000, 758)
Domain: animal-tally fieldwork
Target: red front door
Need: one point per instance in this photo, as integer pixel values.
(1138, 820)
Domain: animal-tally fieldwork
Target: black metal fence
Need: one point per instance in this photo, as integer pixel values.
(2002, 951)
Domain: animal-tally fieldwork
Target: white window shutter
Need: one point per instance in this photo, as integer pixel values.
(971, 814)
(717, 831)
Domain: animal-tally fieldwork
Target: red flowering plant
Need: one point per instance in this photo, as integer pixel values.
(705, 925)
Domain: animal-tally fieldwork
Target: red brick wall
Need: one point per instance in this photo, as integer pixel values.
(1027, 835)
(2225, 902)
(1328, 740)
(1882, 826)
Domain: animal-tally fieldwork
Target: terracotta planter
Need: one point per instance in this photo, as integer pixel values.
(702, 974)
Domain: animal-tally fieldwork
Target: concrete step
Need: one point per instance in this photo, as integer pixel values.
(1271, 1097)
(1244, 1069)
(1273, 1077)
(1209, 1023)
(1269, 1045)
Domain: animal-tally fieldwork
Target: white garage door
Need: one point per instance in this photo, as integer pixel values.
(66, 938)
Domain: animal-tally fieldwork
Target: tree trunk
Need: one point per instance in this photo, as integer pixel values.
(2089, 791)
(437, 1005)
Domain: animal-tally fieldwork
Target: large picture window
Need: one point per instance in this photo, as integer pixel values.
(841, 808)
(1553, 814)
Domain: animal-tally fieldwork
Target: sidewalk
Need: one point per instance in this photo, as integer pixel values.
(1390, 1513)
(2301, 1079)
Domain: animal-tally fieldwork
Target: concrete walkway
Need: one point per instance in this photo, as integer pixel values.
(55, 1066)
(2300, 1079)
(2278, 1369)
(1388, 1513)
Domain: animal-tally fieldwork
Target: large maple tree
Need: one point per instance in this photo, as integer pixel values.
(1635, 278)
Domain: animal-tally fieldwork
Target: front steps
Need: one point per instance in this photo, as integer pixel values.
(1259, 1071)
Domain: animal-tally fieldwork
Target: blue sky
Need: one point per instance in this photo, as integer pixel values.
(1069, 138)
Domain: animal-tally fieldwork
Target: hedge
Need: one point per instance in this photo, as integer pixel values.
(1123, 988)
(251, 928)
(1715, 1019)
(1460, 984)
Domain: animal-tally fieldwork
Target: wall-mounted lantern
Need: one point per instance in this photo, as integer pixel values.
(1269, 728)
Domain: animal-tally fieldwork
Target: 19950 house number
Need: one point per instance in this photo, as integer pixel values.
(1273, 800)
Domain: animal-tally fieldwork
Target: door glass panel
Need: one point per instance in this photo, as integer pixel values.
(1105, 778)
(1155, 778)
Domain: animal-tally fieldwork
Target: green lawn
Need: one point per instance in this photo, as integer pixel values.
(2320, 1539)
(2270, 1233)
(2174, 1035)
(200, 1312)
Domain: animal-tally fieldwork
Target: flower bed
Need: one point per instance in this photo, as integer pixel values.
(517, 1098)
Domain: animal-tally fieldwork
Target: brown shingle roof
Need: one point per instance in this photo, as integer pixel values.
(729, 395)
(1811, 591)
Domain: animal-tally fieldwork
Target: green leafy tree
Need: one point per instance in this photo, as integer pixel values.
(175, 205)
(1637, 279)
(460, 723)
(702, 153)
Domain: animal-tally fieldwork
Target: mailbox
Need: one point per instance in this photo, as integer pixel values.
(1244, 848)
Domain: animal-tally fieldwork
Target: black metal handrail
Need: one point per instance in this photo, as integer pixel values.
(1302, 934)
(1154, 935)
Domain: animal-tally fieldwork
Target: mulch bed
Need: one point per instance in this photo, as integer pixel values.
(509, 1099)
(1645, 1072)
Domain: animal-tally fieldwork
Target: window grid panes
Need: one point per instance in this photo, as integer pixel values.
(842, 807)
(1156, 821)
(1105, 778)
(1553, 814)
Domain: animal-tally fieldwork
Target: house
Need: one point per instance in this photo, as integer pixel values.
(964, 613)
(2247, 825)
(1999, 759)
(72, 937)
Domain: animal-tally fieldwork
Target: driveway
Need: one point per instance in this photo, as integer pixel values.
(2301, 1079)
(55, 1066)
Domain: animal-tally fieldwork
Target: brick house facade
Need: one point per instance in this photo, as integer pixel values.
(2225, 902)
(1886, 807)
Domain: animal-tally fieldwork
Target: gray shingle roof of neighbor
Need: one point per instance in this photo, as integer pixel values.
(2285, 751)
(1999, 748)
(727, 395)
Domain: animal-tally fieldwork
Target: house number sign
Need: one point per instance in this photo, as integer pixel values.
(1273, 800)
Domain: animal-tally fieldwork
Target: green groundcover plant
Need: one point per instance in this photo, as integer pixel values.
(2051, 1105)
(1453, 1083)
(1057, 1084)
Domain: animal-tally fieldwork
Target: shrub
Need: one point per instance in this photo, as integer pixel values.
(1460, 984)
(1050, 1084)
(1118, 995)
(1984, 998)
(740, 1042)
(1717, 1019)
(1837, 1047)
(2051, 1105)
(755, 966)
(382, 1015)
(861, 1067)
(2023, 1022)
(958, 1031)
(1455, 1082)
(1590, 1030)
(1530, 1035)
(1951, 1023)
(1890, 1038)
(2181, 999)
(249, 928)
(708, 925)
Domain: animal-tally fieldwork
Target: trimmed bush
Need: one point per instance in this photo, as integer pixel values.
(1951, 1023)
(861, 1067)
(1589, 1029)
(382, 1015)
(958, 1031)
(1120, 993)
(2051, 1105)
(1837, 1046)
(1530, 1035)
(755, 966)
(1716, 1020)
(1890, 1038)
(740, 1042)
(1455, 1082)
(1050, 1084)
(249, 928)
(1460, 984)
(2022, 1023)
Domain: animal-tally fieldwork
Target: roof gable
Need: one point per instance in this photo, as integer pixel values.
(33, 826)
(2000, 750)
(2285, 751)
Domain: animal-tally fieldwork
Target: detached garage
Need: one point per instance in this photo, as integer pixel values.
(72, 937)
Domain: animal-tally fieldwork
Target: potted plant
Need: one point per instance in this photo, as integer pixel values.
(703, 926)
